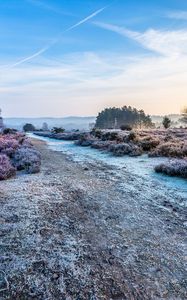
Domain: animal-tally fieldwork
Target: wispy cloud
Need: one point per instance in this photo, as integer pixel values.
(46, 6)
(44, 49)
(169, 43)
(90, 82)
(179, 15)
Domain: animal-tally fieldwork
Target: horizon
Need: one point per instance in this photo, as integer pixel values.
(77, 59)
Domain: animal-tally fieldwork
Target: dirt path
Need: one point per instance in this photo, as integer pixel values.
(82, 232)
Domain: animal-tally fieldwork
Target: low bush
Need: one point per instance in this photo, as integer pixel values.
(6, 169)
(126, 127)
(109, 136)
(148, 143)
(171, 149)
(124, 149)
(173, 168)
(97, 133)
(27, 159)
(17, 153)
(132, 136)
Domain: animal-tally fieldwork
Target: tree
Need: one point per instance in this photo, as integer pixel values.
(166, 122)
(28, 127)
(116, 117)
(184, 115)
(58, 130)
(45, 127)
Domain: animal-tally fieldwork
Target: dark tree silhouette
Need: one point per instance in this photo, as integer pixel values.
(117, 117)
(28, 127)
(166, 122)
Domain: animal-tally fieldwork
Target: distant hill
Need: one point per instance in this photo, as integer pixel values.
(68, 123)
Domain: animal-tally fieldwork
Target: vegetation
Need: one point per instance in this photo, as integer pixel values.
(117, 117)
(28, 127)
(126, 127)
(9, 131)
(58, 130)
(184, 115)
(173, 168)
(17, 153)
(166, 122)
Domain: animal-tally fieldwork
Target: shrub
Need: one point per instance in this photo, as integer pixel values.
(109, 136)
(27, 159)
(97, 133)
(126, 127)
(101, 145)
(166, 122)
(132, 136)
(148, 143)
(8, 146)
(6, 169)
(171, 149)
(9, 131)
(173, 168)
(58, 130)
(28, 127)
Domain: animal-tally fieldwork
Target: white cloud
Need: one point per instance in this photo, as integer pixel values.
(84, 83)
(168, 43)
(179, 15)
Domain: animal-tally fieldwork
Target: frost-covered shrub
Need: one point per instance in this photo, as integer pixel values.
(148, 143)
(101, 145)
(171, 149)
(132, 136)
(27, 159)
(6, 169)
(109, 136)
(125, 149)
(173, 168)
(8, 145)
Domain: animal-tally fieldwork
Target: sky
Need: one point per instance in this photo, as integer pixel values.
(76, 57)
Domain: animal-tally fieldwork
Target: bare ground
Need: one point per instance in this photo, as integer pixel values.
(82, 232)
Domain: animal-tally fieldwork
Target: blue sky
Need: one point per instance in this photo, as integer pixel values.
(75, 57)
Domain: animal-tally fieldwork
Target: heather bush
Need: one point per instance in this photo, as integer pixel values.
(27, 159)
(6, 169)
(109, 136)
(124, 149)
(173, 168)
(8, 145)
(171, 149)
(101, 145)
(148, 143)
(17, 152)
(132, 136)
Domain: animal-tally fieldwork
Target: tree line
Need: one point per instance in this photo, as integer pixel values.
(115, 118)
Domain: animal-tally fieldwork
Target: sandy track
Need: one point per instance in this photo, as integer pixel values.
(82, 232)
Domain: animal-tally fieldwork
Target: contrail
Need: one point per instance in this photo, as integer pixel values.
(57, 39)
